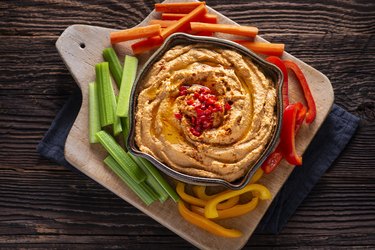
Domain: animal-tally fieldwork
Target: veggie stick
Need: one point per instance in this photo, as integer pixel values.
(128, 77)
(117, 127)
(161, 180)
(105, 92)
(163, 23)
(125, 129)
(115, 67)
(206, 224)
(183, 23)
(122, 158)
(147, 44)
(225, 28)
(135, 33)
(208, 18)
(177, 7)
(94, 119)
(150, 180)
(271, 49)
(139, 189)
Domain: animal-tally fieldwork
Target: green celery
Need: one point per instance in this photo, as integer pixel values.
(154, 172)
(105, 93)
(139, 189)
(154, 184)
(115, 67)
(128, 77)
(125, 129)
(122, 158)
(94, 119)
(117, 127)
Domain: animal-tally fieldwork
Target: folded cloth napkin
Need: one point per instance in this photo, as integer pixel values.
(326, 146)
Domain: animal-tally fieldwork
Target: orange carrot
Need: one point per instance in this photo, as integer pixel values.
(208, 18)
(135, 33)
(177, 7)
(146, 44)
(163, 23)
(225, 28)
(270, 49)
(183, 23)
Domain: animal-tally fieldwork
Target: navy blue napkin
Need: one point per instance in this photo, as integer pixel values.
(327, 145)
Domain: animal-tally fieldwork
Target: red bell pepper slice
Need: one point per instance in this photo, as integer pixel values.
(280, 64)
(273, 160)
(311, 112)
(288, 129)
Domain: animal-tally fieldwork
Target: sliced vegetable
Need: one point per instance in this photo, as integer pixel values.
(117, 127)
(211, 207)
(273, 160)
(162, 181)
(115, 67)
(199, 202)
(311, 112)
(206, 224)
(270, 49)
(94, 119)
(280, 64)
(232, 212)
(147, 44)
(144, 192)
(287, 137)
(183, 23)
(208, 18)
(162, 23)
(186, 7)
(128, 77)
(256, 177)
(125, 128)
(105, 93)
(150, 180)
(122, 158)
(135, 33)
(225, 28)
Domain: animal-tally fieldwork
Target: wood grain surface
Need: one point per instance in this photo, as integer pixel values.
(43, 205)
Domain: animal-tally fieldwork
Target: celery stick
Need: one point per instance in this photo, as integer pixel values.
(154, 184)
(105, 92)
(143, 193)
(128, 77)
(117, 127)
(115, 67)
(94, 119)
(122, 158)
(125, 129)
(154, 172)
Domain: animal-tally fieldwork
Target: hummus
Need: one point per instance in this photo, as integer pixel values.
(205, 111)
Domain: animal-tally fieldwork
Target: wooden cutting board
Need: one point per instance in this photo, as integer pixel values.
(81, 46)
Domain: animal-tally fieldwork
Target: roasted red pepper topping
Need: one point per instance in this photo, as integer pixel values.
(204, 104)
(311, 112)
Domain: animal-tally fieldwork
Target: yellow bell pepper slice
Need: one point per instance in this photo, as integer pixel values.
(258, 174)
(211, 207)
(232, 212)
(206, 224)
(180, 188)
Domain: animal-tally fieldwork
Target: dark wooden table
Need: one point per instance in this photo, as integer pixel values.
(44, 205)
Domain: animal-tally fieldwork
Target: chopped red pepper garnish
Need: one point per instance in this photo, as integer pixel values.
(311, 112)
(178, 116)
(279, 63)
(287, 137)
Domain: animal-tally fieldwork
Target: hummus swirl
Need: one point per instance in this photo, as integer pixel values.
(172, 123)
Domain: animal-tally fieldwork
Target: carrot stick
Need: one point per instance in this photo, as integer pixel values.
(183, 23)
(271, 49)
(208, 18)
(135, 33)
(147, 44)
(225, 28)
(177, 7)
(163, 23)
